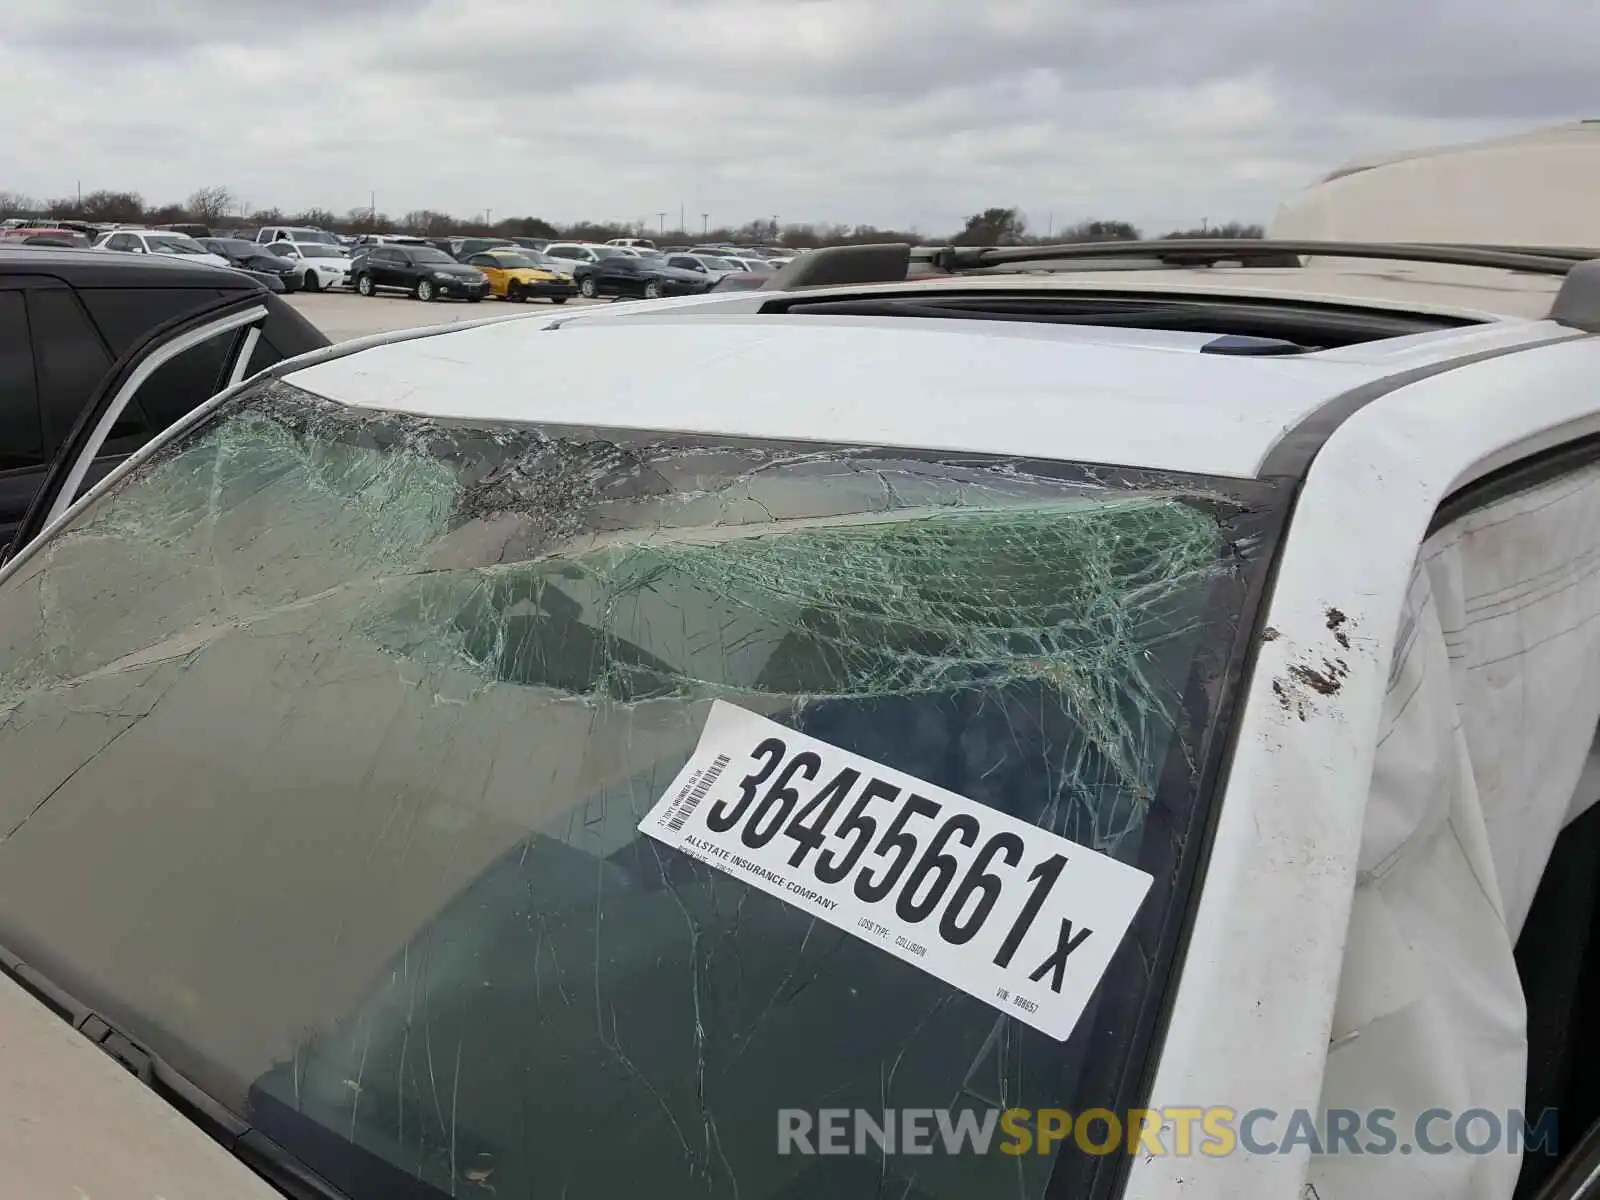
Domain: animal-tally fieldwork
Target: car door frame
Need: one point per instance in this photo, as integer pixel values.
(239, 317)
(380, 266)
(1264, 950)
(610, 281)
(405, 272)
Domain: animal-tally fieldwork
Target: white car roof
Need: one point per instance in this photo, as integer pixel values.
(1128, 397)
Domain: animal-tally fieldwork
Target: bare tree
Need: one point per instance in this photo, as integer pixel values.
(15, 204)
(526, 227)
(210, 204)
(1230, 229)
(432, 223)
(113, 206)
(1099, 231)
(317, 218)
(993, 227)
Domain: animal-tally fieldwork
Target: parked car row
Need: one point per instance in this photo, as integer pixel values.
(294, 258)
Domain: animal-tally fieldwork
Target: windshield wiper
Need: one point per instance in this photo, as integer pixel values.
(270, 1161)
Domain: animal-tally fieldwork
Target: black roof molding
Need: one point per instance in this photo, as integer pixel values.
(877, 263)
(1577, 304)
(893, 263)
(108, 268)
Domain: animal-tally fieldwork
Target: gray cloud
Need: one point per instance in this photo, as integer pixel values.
(892, 112)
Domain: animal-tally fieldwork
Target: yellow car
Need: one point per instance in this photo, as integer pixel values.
(523, 275)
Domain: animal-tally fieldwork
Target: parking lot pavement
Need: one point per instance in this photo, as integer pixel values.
(344, 315)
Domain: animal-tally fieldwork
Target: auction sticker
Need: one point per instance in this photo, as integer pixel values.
(1015, 915)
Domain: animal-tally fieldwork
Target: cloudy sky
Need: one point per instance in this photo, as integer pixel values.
(897, 113)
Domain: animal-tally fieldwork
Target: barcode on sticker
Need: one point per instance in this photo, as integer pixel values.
(694, 792)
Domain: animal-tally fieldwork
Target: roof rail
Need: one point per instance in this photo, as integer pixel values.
(1188, 252)
(878, 263)
(890, 263)
(1577, 304)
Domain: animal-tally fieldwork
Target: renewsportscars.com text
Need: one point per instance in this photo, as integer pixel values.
(1211, 1131)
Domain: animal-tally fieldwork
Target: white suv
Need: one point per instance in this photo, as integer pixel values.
(924, 700)
(299, 234)
(153, 241)
(572, 254)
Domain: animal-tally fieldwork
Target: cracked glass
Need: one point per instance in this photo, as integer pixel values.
(326, 734)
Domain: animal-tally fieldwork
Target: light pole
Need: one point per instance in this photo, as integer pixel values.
(661, 222)
(705, 224)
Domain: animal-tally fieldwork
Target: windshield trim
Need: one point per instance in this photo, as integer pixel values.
(1146, 969)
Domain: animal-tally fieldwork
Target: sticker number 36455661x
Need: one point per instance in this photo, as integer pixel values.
(1010, 913)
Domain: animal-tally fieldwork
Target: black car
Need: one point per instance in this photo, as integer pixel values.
(427, 272)
(625, 275)
(254, 257)
(66, 316)
(463, 248)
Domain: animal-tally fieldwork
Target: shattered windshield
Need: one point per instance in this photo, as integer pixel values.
(327, 734)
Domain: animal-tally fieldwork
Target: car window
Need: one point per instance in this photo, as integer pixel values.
(284, 334)
(174, 244)
(683, 262)
(332, 798)
(69, 362)
(21, 438)
(126, 315)
(1498, 630)
(188, 380)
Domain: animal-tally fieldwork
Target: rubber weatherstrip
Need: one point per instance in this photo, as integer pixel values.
(1294, 454)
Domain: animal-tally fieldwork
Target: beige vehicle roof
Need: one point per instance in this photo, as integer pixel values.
(1537, 188)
